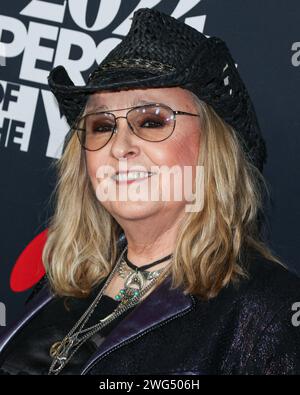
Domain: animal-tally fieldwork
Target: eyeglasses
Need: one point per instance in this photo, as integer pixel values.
(150, 122)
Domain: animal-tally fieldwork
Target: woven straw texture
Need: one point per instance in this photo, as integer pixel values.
(160, 51)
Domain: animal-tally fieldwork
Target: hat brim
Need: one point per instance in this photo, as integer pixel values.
(72, 99)
(201, 81)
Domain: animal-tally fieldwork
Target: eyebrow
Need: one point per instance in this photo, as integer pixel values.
(137, 101)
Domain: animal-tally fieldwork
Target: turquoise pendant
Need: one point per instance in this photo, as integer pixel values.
(126, 295)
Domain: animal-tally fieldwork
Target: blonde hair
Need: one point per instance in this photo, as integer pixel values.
(81, 247)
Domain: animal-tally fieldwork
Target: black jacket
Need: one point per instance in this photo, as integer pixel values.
(250, 329)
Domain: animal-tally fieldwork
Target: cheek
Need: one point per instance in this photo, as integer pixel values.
(93, 162)
(189, 148)
(181, 149)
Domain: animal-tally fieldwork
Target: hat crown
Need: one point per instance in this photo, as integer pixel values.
(161, 51)
(155, 41)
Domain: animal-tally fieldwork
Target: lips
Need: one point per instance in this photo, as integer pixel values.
(131, 176)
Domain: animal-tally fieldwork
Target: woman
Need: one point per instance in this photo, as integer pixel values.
(158, 286)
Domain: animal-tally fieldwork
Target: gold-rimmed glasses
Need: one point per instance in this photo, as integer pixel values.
(150, 122)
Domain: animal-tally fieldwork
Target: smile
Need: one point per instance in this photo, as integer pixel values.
(131, 176)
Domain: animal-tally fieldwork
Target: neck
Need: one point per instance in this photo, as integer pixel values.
(150, 240)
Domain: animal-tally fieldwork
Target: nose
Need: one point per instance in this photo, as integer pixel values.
(128, 124)
(123, 142)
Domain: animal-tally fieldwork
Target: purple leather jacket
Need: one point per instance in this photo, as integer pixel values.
(244, 330)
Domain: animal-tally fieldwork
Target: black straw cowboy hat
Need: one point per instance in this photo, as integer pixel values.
(160, 51)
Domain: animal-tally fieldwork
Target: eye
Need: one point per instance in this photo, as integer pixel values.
(99, 123)
(102, 128)
(152, 123)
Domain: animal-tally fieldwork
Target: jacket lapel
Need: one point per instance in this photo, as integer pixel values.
(32, 308)
(159, 306)
(44, 296)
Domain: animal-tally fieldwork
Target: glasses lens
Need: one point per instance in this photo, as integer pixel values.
(94, 130)
(152, 123)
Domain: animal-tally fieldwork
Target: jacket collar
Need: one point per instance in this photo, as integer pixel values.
(160, 306)
(31, 309)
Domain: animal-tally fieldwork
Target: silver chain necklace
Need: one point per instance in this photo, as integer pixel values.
(135, 280)
(60, 351)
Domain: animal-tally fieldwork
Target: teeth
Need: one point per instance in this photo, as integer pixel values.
(132, 175)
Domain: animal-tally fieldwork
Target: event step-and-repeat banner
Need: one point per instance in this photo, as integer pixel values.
(36, 35)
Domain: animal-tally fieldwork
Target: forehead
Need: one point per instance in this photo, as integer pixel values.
(175, 97)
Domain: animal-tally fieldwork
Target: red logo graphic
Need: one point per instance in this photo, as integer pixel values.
(29, 268)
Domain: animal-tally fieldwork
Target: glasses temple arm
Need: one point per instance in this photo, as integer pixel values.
(186, 113)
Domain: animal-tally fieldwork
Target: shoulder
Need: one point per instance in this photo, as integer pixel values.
(272, 301)
(269, 283)
(41, 286)
(269, 295)
(268, 288)
(263, 314)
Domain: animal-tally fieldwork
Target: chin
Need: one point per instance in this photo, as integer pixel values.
(133, 210)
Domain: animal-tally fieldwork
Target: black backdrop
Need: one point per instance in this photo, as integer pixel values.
(35, 36)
